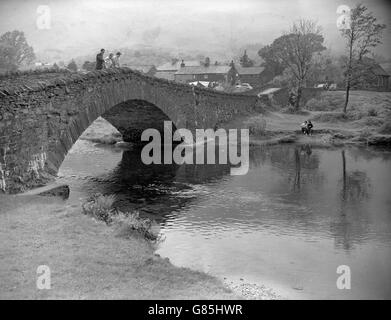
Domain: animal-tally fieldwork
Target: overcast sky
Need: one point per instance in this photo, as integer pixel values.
(79, 27)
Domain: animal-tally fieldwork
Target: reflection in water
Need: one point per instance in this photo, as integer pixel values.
(298, 214)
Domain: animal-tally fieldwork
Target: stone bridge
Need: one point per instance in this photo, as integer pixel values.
(42, 114)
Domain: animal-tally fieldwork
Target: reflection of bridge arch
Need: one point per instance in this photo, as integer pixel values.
(42, 115)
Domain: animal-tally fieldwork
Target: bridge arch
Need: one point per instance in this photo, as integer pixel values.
(43, 115)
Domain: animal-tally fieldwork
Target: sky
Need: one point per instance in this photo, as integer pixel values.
(80, 27)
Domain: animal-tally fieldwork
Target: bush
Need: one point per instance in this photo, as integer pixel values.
(257, 128)
(100, 207)
(365, 134)
(386, 127)
(132, 222)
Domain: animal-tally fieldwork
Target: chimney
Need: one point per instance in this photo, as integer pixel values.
(182, 64)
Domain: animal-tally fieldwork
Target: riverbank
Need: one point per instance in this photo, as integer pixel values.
(87, 259)
(366, 123)
(90, 260)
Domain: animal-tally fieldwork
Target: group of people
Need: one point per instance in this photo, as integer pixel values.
(112, 61)
(306, 127)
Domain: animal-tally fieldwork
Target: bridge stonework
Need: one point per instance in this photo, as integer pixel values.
(42, 115)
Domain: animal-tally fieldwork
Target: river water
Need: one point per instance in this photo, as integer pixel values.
(298, 214)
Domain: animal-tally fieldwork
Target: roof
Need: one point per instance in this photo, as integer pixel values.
(379, 71)
(169, 66)
(212, 69)
(386, 66)
(249, 70)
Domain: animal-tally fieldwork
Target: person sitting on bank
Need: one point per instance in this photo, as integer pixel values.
(304, 128)
(309, 127)
(100, 61)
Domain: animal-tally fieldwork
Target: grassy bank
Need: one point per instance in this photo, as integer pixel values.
(367, 121)
(88, 259)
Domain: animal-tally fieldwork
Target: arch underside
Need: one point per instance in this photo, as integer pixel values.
(132, 117)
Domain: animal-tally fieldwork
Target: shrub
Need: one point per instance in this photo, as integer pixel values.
(106, 139)
(257, 128)
(131, 222)
(100, 207)
(365, 134)
(386, 127)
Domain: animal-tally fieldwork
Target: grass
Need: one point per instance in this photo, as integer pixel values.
(366, 109)
(328, 101)
(361, 103)
(102, 208)
(87, 260)
(101, 131)
(329, 117)
(257, 128)
(386, 127)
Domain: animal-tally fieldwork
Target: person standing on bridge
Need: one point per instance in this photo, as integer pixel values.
(116, 60)
(100, 61)
(109, 61)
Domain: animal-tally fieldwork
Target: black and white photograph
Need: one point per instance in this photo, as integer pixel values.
(195, 150)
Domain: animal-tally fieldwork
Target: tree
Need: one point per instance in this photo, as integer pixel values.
(72, 65)
(88, 66)
(207, 62)
(326, 68)
(245, 61)
(362, 34)
(295, 51)
(15, 51)
(273, 67)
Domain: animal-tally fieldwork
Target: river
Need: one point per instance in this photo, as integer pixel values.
(298, 214)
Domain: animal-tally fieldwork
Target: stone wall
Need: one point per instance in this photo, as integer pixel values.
(42, 115)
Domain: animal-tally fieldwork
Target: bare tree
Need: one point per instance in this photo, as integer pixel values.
(362, 34)
(295, 51)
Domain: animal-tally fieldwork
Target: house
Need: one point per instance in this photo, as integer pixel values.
(167, 70)
(382, 81)
(372, 76)
(210, 73)
(149, 70)
(250, 75)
